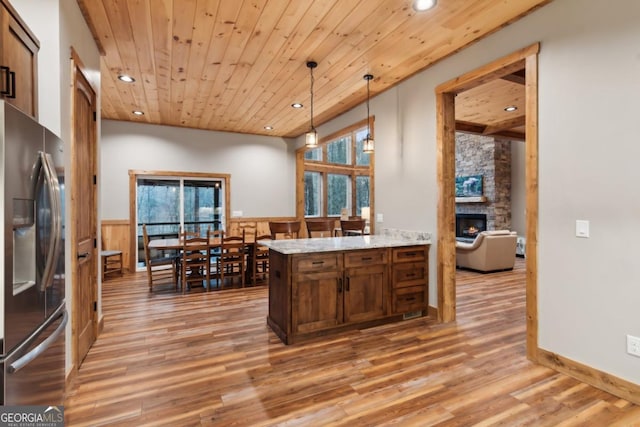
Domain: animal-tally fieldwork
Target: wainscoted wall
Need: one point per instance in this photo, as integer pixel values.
(491, 158)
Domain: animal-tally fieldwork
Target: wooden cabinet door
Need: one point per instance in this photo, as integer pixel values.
(317, 301)
(18, 57)
(365, 293)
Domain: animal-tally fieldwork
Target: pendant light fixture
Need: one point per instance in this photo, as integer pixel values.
(367, 144)
(311, 139)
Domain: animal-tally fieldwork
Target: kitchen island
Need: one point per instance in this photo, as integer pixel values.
(324, 285)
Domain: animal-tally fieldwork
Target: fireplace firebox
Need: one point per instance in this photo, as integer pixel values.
(469, 225)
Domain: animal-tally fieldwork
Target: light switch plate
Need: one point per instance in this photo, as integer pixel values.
(379, 217)
(582, 228)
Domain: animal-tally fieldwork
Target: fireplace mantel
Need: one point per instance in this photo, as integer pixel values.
(478, 199)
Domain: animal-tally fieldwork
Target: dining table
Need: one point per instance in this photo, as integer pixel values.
(176, 243)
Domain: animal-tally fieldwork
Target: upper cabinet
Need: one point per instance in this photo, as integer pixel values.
(18, 61)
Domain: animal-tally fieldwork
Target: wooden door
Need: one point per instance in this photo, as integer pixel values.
(84, 212)
(18, 56)
(365, 293)
(317, 301)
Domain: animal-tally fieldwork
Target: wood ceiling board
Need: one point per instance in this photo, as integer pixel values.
(485, 104)
(295, 78)
(238, 65)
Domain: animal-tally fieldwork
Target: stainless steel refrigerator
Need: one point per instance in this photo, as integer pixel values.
(32, 303)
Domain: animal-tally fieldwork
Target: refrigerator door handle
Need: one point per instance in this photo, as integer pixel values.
(44, 164)
(40, 348)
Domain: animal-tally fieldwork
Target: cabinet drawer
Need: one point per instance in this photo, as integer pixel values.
(409, 299)
(409, 274)
(321, 262)
(364, 258)
(409, 254)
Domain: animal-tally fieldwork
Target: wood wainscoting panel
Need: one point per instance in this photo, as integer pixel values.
(256, 226)
(115, 237)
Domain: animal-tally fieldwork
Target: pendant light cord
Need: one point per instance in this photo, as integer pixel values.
(312, 81)
(311, 65)
(368, 78)
(368, 120)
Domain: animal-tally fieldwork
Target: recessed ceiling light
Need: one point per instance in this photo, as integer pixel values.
(268, 128)
(510, 108)
(422, 5)
(296, 105)
(138, 113)
(126, 79)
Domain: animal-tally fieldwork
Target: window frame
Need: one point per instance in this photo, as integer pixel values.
(324, 168)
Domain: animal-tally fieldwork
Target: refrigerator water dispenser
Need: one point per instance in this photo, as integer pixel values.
(24, 258)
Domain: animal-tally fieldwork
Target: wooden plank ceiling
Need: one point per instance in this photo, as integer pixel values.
(239, 65)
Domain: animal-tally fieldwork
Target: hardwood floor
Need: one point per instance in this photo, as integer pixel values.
(210, 359)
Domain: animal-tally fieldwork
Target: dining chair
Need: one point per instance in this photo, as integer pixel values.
(231, 262)
(288, 229)
(353, 227)
(215, 241)
(194, 261)
(159, 270)
(189, 233)
(261, 260)
(111, 261)
(320, 227)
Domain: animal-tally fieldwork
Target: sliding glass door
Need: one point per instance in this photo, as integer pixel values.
(170, 204)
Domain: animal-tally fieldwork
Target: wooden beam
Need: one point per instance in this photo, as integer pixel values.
(446, 155)
(531, 218)
(479, 129)
(505, 125)
(495, 70)
(517, 77)
(470, 127)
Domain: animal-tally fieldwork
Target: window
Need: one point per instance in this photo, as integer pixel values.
(339, 151)
(336, 175)
(313, 154)
(338, 194)
(312, 193)
(167, 204)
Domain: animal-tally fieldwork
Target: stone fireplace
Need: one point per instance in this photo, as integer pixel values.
(491, 158)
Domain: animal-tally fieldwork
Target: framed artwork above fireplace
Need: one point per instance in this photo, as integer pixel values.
(469, 186)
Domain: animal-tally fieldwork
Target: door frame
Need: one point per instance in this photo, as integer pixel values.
(77, 67)
(526, 58)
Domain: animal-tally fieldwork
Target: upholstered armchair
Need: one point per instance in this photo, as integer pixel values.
(490, 251)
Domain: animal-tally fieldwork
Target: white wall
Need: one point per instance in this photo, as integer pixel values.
(588, 290)
(58, 25)
(262, 168)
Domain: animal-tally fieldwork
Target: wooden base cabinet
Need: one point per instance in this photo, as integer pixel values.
(316, 285)
(365, 287)
(320, 293)
(410, 275)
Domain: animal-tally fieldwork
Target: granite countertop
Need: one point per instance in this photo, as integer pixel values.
(329, 244)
